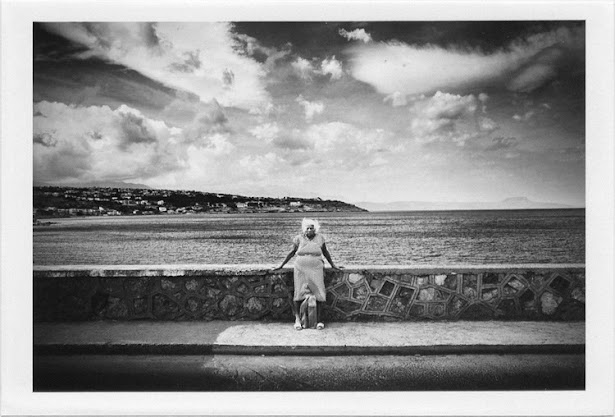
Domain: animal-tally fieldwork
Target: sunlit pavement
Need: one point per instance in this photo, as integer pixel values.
(256, 356)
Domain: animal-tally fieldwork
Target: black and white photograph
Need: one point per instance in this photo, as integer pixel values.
(404, 201)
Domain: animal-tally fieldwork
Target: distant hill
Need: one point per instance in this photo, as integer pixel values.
(103, 198)
(506, 204)
(100, 184)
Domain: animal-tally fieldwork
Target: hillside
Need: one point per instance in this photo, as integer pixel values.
(51, 201)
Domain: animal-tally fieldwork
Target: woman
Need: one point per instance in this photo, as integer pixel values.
(308, 272)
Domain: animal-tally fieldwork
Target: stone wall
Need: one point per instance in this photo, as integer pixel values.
(488, 292)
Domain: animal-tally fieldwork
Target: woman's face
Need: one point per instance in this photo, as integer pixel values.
(310, 231)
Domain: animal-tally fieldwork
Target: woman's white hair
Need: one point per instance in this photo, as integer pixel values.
(306, 222)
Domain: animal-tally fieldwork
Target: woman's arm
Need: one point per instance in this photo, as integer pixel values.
(290, 255)
(325, 252)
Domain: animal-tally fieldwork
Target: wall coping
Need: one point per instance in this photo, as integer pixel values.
(110, 271)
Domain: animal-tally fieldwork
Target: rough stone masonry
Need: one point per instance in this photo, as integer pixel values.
(488, 292)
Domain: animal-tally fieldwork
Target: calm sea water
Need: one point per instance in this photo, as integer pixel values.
(395, 238)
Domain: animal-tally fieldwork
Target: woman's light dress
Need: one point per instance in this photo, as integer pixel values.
(309, 268)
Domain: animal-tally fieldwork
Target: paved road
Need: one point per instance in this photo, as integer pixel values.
(308, 373)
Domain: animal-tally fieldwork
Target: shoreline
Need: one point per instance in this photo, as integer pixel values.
(307, 213)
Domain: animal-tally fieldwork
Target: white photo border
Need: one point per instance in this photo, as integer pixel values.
(16, 216)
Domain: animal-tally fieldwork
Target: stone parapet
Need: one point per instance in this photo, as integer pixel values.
(361, 292)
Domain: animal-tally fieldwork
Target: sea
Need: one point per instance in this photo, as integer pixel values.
(353, 238)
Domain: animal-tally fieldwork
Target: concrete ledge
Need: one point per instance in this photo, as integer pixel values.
(187, 270)
(255, 338)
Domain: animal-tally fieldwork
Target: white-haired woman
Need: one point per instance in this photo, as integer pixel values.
(308, 272)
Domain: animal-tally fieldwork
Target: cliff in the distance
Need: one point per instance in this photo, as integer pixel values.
(514, 203)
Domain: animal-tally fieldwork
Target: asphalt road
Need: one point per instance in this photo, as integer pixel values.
(309, 373)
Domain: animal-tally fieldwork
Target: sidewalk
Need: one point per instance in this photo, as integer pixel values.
(339, 338)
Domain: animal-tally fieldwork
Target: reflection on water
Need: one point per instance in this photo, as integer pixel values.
(395, 238)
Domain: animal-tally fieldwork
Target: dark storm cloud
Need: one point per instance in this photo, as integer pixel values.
(95, 82)
(48, 46)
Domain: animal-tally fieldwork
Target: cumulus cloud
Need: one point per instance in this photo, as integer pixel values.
(332, 67)
(292, 141)
(524, 117)
(209, 119)
(356, 35)
(410, 69)
(204, 166)
(49, 140)
(180, 111)
(311, 108)
(397, 99)
(219, 144)
(336, 144)
(448, 106)
(486, 124)
(447, 117)
(74, 143)
(303, 68)
(201, 58)
(260, 165)
(347, 144)
(266, 132)
(97, 142)
(483, 98)
(328, 67)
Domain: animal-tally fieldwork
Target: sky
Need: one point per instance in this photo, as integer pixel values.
(355, 111)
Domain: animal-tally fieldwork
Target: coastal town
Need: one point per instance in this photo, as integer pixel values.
(54, 201)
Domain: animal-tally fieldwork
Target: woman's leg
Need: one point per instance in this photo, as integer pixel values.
(297, 308)
(321, 323)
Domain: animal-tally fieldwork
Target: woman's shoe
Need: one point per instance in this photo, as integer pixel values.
(298, 325)
(320, 326)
